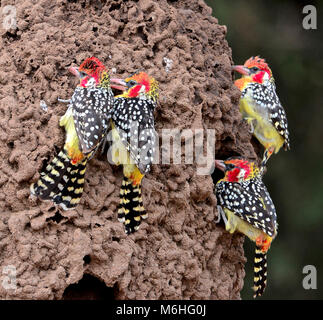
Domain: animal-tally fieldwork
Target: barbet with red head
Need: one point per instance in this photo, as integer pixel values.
(86, 123)
(134, 142)
(261, 107)
(246, 207)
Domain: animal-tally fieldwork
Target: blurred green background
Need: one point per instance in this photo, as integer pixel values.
(273, 30)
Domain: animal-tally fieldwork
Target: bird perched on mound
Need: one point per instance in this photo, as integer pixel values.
(85, 123)
(134, 139)
(261, 107)
(246, 207)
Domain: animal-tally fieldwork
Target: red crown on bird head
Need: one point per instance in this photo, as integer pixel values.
(257, 62)
(91, 65)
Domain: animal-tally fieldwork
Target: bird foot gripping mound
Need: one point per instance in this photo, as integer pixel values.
(246, 207)
(261, 107)
(134, 140)
(86, 124)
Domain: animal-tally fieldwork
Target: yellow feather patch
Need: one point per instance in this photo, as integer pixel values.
(263, 129)
(71, 141)
(125, 201)
(41, 184)
(139, 208)
(126, 191)
(258, 260)
(55, 173)
(78, 191)
(60, 164)
(48, 179)
(75, 201)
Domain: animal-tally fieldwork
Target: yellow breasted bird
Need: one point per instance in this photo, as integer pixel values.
(246, 207)
(86, 123)
(134, 139)
(261, 107)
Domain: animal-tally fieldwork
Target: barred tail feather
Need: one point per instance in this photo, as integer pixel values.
(51, 177)
(260, 272)
(131, 210)
(61, 181)
(70, 196)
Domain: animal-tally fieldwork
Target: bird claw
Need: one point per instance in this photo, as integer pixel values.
(221, 214)
(63, 100)
(104, 143)
(267, 154)
(108, 118)
(250, 122)
(218, 219)
(91, 154)
(252, 129)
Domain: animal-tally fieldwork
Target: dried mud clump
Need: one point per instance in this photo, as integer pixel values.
(179, 252)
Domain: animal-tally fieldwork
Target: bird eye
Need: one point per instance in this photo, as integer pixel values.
(254, 69)
(230, 166)
(131, 83)
(83, 74)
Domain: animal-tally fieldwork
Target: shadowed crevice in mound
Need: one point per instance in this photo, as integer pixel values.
(178, 252)
(88, 288)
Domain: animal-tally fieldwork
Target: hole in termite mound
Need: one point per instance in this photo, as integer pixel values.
(89, 288)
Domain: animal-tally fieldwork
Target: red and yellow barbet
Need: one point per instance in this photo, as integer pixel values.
(246, 207)
(261, 107)
(134, 140)
(86, 124)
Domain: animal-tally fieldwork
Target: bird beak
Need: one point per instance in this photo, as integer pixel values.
(119, 84)
(241, 69)
(220, 165)
(75, 72)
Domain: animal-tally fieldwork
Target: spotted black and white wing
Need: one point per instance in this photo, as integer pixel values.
(250, 201)
(265, 96)
(90, 109)
(134, 120)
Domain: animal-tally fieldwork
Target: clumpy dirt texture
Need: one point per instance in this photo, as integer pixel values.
(179, 252)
